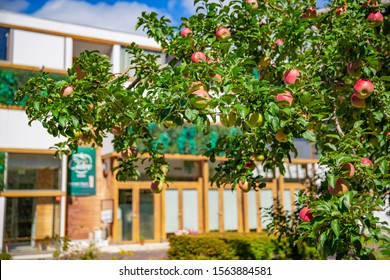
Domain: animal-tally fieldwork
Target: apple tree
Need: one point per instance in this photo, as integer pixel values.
(276, 70)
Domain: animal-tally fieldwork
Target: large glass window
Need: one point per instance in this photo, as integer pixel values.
(31, 223)
(126, 60)
(4, 35)
(32, 172)
(125, 215)
(2, 171)
(146, 214)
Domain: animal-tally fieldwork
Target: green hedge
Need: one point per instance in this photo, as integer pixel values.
(220, 246)
(232, 246)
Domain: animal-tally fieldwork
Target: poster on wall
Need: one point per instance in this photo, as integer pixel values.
(82, 172)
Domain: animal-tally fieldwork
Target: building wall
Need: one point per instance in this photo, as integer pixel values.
(17, 134)
(83, 212)
(37, 49)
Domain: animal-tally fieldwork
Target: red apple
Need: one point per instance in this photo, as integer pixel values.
(195, 86)
(305, 214)
(350, 170)
(66, 91)
(199, 102)
(253, 3)
(375, 19)
(244, 185)
(363, 88)
(367, 162)
(353, 69)
(284, 99)
(218, 78)
(340, 10)
(128, 153)
(291, 76)
(280, 136)
(310, 12)
(116, 130)
(250, 165)
(185, 32)
(198, 57)
(341, 187)
(357, 102)
(223, 34)
(156, 186)
(279, 42)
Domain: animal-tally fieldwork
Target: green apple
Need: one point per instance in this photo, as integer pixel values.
(254, 119)
(280, 136)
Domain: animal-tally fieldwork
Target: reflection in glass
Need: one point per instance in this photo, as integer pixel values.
(190, 209)
(32, 172)
(213, 210)
(125, 215)
(146, 218)
(230, 210)
(171, 211)
(31, 222)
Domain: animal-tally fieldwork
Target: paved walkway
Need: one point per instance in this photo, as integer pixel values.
(121, 251)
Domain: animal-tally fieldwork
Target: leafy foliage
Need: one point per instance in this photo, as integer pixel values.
(228, 246)
(239, 83)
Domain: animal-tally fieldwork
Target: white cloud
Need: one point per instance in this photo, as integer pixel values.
(121, 16)
(14, 5)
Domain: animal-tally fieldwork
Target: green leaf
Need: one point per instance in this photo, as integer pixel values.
(191, 114)
(335, 227)
(242, 110)
(309, 135)
(62, 121)
(384, 166)
(385, 78)
(37, 105)
(358, 124)
(331, 179)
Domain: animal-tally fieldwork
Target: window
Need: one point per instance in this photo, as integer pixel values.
(31, 222)
(4, 35)
(32, 172)
(126, 58)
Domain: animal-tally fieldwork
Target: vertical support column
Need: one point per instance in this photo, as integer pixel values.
(163, 224)
(240, 210)
(2, 221)
(221, 210)
(63, 183)
(280, 187)
(114, 183)
(205, 195)
(245, 211)
(116, 58)
(180, 214)
(259, 224)
(68, 55)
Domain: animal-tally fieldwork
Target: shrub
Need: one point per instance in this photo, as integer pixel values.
(5, 256)
(220, 246)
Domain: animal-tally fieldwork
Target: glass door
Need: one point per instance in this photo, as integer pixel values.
(136, 215)
(125, 215)
(146, 215)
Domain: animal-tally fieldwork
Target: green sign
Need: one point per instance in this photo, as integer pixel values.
(82, 172)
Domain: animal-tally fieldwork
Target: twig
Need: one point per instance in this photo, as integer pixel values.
(134, 83)
(275, 8)
(122, 74)
(336, 120)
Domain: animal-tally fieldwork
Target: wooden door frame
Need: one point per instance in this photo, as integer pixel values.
(136, 187)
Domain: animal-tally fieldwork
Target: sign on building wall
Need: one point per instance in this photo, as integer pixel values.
(82, 172)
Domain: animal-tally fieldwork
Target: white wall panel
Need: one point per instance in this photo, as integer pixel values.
(16, 133)
(37, 49)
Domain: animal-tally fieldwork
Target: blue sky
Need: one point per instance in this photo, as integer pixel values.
(118, 15)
